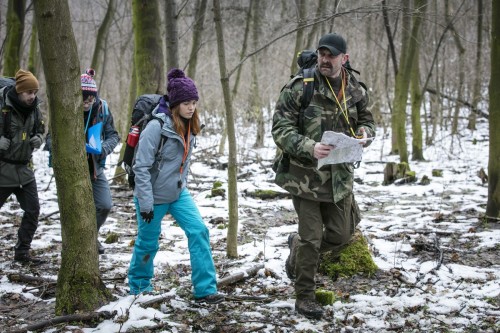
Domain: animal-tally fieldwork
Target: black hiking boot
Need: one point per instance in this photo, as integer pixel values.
(210, 299)
(26, 259)
(293, 239)
(309, 308)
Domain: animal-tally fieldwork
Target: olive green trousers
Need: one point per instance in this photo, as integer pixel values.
(323, 227)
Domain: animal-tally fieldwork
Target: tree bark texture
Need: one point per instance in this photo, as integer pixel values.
(476, 90)
(232, 168)
(417, 97)
(301, 6)
(197, 37)
(148, 50)
(79, 285)
(243, 47)
(403, 78)
(172, 36)
(256, 101)
(102, 35)
(14, 37)
(33, 60)
(493, 205)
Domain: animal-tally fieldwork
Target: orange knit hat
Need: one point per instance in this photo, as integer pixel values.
(25, 80)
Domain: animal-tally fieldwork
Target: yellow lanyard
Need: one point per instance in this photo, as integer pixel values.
(342, 110)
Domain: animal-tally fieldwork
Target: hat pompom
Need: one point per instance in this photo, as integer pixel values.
(90, 71)
(175, 73)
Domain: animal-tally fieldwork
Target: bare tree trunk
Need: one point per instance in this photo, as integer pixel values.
(148, 55)
(416, 105)
(398, 117)
(243, 47)
(232, 169)
(197, 36)
(312, 36)
(120, 174)
(476, 94)
(301, 6)
(14, 37)
(33, 59)
(172, 36)
(461, 68)
(102, 34)
(417, 96)
(256, 102)
(403, 78)
(390, 41)
(79, 285)
(493, 205)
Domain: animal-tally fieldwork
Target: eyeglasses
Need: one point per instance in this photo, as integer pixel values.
(89, 99)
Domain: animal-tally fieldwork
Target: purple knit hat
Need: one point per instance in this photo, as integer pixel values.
(180, 88)
(89, 87)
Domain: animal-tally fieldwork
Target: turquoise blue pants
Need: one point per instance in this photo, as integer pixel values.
(187, 215)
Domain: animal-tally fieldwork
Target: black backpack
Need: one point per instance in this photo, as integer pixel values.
(141, 115)
(6, 82)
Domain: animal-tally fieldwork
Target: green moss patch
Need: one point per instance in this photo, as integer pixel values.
(355, 258)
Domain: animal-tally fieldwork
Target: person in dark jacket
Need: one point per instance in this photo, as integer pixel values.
(161, 188)
(21, 132)
(96, 110)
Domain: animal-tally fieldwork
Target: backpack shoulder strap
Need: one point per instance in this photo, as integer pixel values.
(307, 94)
(105, 110)
(6, 115)
(163, 139)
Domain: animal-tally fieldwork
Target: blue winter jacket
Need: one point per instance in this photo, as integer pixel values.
(157, 173)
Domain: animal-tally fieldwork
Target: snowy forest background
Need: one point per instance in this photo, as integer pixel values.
(438, 258)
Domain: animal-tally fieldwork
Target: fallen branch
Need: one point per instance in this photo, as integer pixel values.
(239, 276)
(48, 215)
(84, 317)
(242, 298)
(32, 280)
(155, 301)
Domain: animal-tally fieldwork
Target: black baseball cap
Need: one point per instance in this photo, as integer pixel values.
(334, 43)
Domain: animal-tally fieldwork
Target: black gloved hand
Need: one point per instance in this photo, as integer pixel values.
(36, 142)
(147, 217)
(4, 143)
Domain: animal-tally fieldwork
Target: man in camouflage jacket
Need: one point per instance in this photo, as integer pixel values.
(323, 199)
(21, 132)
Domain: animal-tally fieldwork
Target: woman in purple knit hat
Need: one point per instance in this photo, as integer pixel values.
(160, 188)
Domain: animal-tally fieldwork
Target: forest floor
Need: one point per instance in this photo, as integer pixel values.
(439, 263)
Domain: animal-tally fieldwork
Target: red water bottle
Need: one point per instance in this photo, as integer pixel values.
(133, 136)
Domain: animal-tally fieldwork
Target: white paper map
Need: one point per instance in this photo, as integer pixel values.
(347, 149)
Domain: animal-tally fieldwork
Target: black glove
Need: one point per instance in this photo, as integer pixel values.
(35, 142)
(147, 217)
(4, 143)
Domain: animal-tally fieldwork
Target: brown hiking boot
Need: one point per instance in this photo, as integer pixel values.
(293, 240)
(309, 308)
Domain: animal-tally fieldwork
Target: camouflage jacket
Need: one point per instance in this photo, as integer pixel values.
(298, 174)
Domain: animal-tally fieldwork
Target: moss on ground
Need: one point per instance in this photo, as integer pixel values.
(354, 259)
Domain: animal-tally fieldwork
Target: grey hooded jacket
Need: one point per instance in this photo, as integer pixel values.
(158, 179)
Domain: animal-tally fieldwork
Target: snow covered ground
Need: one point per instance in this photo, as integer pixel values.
(461, 293)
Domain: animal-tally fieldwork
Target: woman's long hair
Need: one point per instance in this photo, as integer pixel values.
(180, 123)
